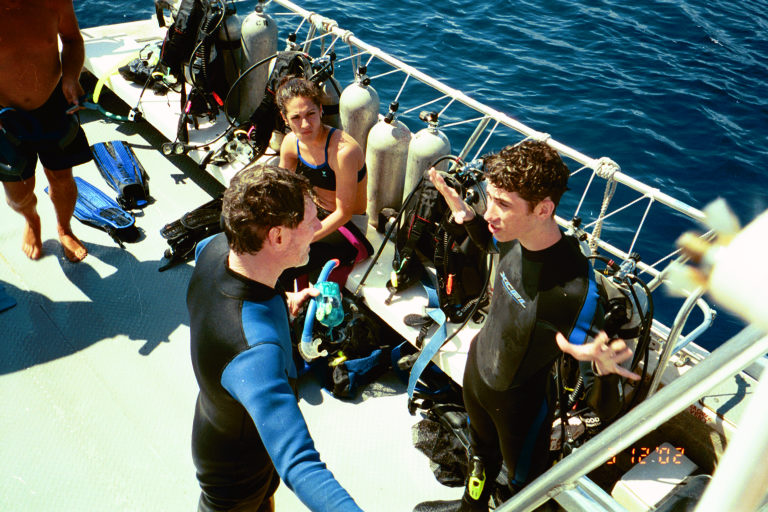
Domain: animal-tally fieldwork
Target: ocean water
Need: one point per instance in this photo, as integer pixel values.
(674, 91)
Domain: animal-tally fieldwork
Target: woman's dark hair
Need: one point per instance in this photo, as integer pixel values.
(293, 87)
(258, 198)
(531, 168)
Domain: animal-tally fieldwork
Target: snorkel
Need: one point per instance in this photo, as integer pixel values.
(308, 348)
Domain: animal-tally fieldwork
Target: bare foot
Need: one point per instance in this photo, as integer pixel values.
(31, 243)
(74, 250)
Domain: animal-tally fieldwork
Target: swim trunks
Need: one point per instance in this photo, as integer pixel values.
(47, 133)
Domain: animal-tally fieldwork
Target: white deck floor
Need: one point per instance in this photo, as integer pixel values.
(96, 382)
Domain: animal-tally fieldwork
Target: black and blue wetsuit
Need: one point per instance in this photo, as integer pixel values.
(535, 295)
(248, 428)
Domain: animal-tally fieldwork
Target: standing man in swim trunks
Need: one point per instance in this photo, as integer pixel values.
(542, 296)
(41, 84)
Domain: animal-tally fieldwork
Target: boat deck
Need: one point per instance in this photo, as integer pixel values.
(97, 382)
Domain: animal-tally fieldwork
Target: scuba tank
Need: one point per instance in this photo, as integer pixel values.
(331, 116)
(386, 160)
(259, 41)
(359, 107)
(322, 75)
(230, 48)
(426, 146)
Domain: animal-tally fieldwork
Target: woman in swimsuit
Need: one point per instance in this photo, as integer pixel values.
(335, 166)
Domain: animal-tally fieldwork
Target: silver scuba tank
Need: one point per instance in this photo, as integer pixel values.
(359, 107)
(331, 116)
(259, 41)
(426, 146)
(322, 72)
(231, 53)
(386, 158)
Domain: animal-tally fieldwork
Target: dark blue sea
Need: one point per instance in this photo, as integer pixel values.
(674, 91)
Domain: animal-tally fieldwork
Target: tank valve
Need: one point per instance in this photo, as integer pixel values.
(431, 118)
(361, 77)
(392, 110)
(291, 45)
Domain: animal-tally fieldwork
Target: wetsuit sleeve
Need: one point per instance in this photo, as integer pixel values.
(256, 378)
(477, 229)
(201, 245)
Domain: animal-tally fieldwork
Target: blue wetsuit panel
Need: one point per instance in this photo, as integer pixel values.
(257, 379)
(248, 427)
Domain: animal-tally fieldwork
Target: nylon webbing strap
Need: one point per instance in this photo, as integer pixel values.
(429, 283)
(430, 349)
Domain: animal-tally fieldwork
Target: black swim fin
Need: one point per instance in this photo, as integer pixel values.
(183, 234)
(123, 172)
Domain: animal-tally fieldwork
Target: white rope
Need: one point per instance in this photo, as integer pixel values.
(457, 123)
(584, 194)
(385, 73)
(321, 37)
(440, 114)
(346, 36)
(308, 41)
(577, 171)
(485, 142)
(352, 55)
(424, 105)
(354, 58)
(640, 226)
(614, 212)
(606, 168)
(321, 22)
(397, 98)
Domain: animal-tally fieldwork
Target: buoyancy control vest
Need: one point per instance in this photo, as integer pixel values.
(428, 237)
(190, 53)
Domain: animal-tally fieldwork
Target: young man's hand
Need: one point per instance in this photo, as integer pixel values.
(606, 355)
(461, 210)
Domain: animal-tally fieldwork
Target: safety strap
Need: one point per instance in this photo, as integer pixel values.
(430, 349)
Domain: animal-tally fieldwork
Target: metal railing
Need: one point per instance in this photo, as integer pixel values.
(726, 361)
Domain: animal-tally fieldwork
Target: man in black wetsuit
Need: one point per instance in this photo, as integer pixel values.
(248, 431)
(542, 295)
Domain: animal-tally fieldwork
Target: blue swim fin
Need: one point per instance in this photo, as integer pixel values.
(123, 172)
(95, 208)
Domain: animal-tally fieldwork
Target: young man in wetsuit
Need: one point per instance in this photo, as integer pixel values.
(541, 297)
(40, 82)
(248, 431)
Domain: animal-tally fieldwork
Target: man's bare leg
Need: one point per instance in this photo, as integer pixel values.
(21, 197)
(63, 192)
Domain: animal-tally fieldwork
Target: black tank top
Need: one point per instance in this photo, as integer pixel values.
(322, 176)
